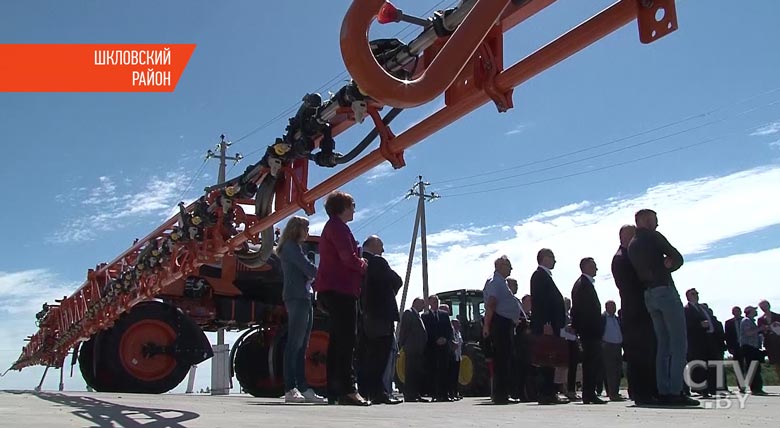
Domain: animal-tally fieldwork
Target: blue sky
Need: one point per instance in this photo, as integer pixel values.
(88, 173)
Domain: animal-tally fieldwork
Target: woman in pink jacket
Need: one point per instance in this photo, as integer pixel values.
(338, 281)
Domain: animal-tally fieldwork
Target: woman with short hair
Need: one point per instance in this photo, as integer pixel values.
(338, 283)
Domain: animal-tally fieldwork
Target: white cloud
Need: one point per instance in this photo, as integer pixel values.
(775, 144)
(25, 291)
(384, 169)
(769, 129)
(455, 236)
(103, 208)
(516, 130)
(694, 215)
(559, 211)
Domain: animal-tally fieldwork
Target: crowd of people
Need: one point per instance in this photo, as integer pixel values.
(537, 343)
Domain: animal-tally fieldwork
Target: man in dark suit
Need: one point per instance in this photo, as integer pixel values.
(412, 339)
(439, 328)
(716, 347)
(547, 318)
(380, 312)
(638, 333)
(732, 339)
(699, 328)
(586, 320)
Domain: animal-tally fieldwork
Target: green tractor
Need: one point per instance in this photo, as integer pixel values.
(468, 307)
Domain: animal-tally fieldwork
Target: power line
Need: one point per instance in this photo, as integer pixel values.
(192, 180)
(380, 214)
(610, 166)
(608, 143)
(581, 160)
(401, 217)
(677, 149)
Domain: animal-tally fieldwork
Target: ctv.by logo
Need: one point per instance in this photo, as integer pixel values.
(743, 381)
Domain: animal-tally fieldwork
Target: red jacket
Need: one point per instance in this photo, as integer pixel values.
(341, 269)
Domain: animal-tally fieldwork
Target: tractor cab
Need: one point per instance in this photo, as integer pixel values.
(468, 307)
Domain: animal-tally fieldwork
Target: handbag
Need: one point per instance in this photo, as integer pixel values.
(549, 351)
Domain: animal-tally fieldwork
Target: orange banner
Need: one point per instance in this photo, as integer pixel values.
(92, 68)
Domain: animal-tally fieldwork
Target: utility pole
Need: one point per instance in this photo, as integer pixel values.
(220, 363)
(419, 224)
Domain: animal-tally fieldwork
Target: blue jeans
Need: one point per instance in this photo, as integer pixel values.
(389, 374)
(300, 318)
(666, 310)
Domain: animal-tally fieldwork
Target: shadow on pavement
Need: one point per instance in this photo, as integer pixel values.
(105, 414)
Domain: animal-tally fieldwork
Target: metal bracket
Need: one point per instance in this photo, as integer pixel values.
(486, 68)
(656, 19)
(300, 190)
(386, 136)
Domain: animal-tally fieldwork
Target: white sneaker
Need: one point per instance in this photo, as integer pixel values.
(294, 396)
(311, 397)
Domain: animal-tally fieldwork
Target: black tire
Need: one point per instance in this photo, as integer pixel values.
(474, 376)
(92, 365)
(258, 365)
(147, 323)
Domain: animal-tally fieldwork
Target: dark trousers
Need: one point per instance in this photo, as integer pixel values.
(613, 365)
(342, 316)
(413, 375)
(739, 358)
(753, 354)
(574, 360)
(375, 355)
(438, 362)
(501, 331)
(546, 383)
(702, 351)
(520, 368)
(640, 349)
(453, 377)
(591, 366)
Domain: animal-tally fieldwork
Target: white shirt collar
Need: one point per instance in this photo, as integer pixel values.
(592, 279)
(549, 272)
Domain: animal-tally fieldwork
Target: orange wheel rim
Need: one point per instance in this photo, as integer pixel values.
(316, 359)
(131, 350)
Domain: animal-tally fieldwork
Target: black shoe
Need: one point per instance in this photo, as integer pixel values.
(353, 400)
(760, 393)
(551, 400)
(442, 400)
(384, 399)
(677, 400)
(593, 400)
(416, 400)
(645, 401)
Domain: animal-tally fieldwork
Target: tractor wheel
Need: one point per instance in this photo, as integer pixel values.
(317, 358)
(400, 370)
(258, 364)
(93, 367)
(473, 377)
(150, 348)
